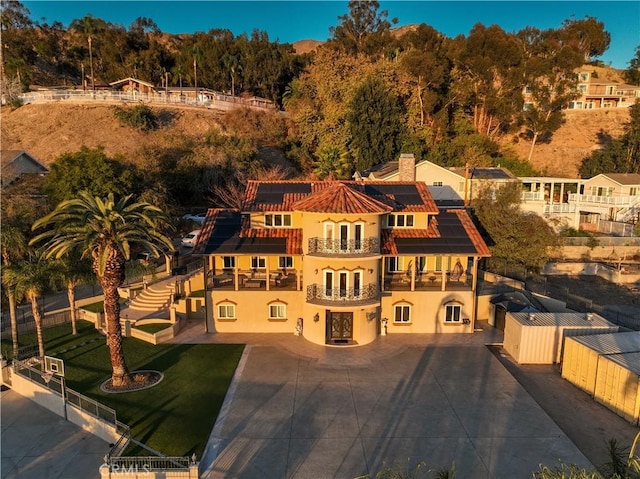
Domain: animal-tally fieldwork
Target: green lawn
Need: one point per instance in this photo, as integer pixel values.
(153, 327)
(176, 416)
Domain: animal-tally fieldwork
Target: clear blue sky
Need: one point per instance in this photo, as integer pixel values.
(290, 21)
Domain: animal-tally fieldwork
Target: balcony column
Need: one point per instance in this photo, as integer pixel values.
(268, 274)
(413, 273)
(236, 277)
(474, 297)
(444, 278)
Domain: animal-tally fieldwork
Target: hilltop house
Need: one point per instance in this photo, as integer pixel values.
(340, 262)
(597, 93)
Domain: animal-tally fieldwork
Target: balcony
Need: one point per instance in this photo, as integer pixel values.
(318, 294)
(253, 280)
(532, 196)
(344, 248)
(559, 208)
(603, 200)
(428, 281)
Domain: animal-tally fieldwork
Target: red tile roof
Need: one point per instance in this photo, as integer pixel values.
(339, 197)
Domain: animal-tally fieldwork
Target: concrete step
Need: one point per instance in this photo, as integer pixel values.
(152, 299)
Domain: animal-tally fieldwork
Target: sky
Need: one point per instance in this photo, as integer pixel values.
(293, 20)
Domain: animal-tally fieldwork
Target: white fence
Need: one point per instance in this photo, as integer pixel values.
(216, 101)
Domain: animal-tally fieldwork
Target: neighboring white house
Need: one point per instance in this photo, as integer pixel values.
(448, 186)
(611, 197)
(564, 202)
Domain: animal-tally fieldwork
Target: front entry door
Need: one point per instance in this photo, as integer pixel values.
(341, 326)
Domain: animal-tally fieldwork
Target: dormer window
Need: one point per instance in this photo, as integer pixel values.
(277, 220)
(400, 221)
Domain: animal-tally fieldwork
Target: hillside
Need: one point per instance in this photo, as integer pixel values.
(47, 130)
(573, 141)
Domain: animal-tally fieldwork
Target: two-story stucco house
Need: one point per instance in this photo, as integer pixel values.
(340, 262)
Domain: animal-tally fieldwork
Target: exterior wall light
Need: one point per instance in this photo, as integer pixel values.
(316, 318)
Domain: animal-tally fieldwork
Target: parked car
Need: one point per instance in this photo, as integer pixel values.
(145, 257)
(198, 218)
(190, 239)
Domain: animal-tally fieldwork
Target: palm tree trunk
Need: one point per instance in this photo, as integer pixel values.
(14, 321)
(113, 277)
(120, 376)
(71, 295)
(37, 317)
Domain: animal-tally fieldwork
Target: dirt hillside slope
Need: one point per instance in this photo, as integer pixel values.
(47, 130)
(574, 140)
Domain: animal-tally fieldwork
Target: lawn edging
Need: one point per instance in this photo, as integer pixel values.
(162, 336)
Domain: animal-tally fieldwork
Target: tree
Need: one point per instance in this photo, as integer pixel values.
(332, 164)
(632, 74)
(551, 83)
(29, 278)
(588, 34)
(513, 236)
(88, 169)
(14, 246)
(488, 77)
(72, 270)
(620, 155)
(375, 123)
(363, 29)
(105, 230)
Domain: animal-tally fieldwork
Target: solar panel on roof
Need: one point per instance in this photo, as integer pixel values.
(273, 193)
(404, 194)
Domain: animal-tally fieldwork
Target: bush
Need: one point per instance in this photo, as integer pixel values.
(140, 116)
(16, 103)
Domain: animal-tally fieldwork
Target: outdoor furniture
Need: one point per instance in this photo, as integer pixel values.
(254, 283)
(222, 280)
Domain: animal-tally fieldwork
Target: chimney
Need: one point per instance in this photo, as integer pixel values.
(407, 167)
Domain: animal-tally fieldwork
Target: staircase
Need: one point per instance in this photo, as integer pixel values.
(630, 213)
(154, 298)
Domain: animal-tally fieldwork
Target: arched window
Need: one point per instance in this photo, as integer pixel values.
(226, 310)
(453, 312)
(277, 310)
(402, 313)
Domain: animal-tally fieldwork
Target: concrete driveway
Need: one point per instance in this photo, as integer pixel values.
(441, 400)
(39, 444)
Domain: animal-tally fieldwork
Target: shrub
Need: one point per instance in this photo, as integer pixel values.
(16, 103)
(140, 116)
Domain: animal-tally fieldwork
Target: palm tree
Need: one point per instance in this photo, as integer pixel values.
(13, 245)
(106, 230)
(73, 271)
(29, 278)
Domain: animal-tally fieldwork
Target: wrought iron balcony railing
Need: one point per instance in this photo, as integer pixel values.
(366, 246)
(318, 293)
